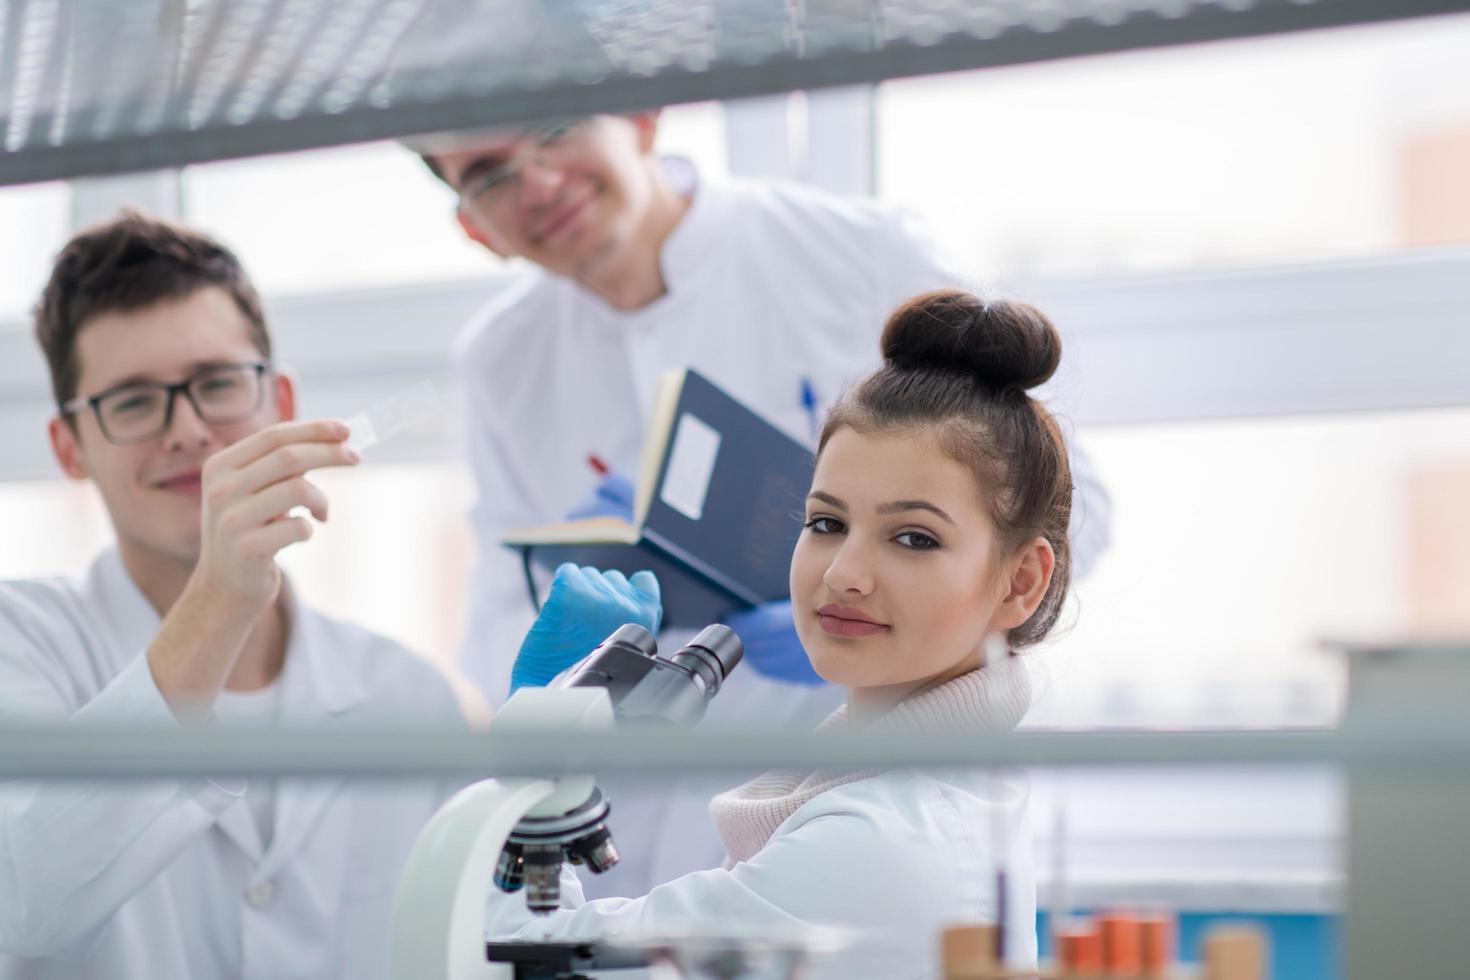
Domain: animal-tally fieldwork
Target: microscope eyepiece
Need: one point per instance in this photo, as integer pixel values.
(634, 636)
(712, 654)
(645, 688)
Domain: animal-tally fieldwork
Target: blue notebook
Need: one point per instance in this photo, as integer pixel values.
(719, 506)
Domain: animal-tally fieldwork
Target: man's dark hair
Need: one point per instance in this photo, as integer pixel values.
(126, 264)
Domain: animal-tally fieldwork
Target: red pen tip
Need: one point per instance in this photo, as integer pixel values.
(598, 465)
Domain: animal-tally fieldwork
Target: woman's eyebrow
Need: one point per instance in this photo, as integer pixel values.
(899, 506)
(826, 498)
(893, 507)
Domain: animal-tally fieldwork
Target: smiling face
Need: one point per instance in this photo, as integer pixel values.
(152, 489)
(898, 577)
(579, 201)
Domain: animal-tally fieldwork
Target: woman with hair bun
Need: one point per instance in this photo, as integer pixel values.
(935, 547)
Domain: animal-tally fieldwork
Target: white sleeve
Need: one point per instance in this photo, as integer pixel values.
(839, 861)
(72, 853)
(499, 605)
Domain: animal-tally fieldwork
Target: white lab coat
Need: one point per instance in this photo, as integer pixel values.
(768, 283)
(168, 879)
(893, 859)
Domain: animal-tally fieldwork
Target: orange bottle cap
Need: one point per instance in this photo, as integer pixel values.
(1079, 948)
(1156, 934)
(1120, 944)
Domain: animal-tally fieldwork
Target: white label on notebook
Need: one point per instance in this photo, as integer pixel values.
(691, 464)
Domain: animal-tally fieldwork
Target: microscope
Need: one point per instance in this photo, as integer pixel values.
(514, 834)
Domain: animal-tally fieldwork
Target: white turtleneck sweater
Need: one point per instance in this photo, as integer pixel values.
(893, 857)
(993, 699)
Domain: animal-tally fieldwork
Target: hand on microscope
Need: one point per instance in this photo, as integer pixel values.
(583, 606)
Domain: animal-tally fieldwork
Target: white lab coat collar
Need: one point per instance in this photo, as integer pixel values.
(314, 690)
(314, 686)
(684, 251)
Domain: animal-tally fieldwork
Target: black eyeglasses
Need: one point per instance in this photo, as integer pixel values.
(548, 144)
(142, 410)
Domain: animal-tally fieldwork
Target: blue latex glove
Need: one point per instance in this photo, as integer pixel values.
(771, 644)
(612, 497)
(581, 609)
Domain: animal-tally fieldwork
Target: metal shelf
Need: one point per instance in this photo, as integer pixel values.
(101, 86)
(65, 752)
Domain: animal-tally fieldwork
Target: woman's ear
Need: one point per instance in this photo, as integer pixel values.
(1030, 576)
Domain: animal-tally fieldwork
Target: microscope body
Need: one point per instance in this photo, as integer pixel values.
(438, 925)
(514, 834)
(647, 689)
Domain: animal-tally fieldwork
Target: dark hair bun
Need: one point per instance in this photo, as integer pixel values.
(1003, 344)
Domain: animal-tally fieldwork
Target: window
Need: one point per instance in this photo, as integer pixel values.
(50, 527)
(696, 131)
(343, 218)
(35, 220)
(395, 554)
(1239, 547)
(1309, 146)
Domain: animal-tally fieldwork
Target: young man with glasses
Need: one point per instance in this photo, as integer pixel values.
(169, 405)
(775, 291)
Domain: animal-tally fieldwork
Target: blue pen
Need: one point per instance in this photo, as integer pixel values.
(809, 402)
